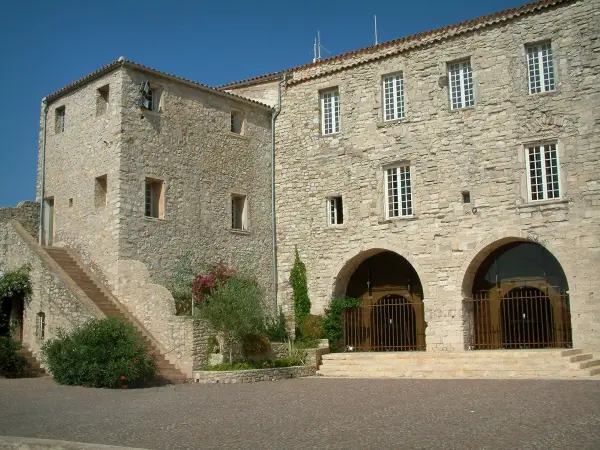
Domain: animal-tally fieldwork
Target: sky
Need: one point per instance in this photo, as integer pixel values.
(45, 45)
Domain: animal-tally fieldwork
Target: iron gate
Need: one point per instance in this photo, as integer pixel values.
(523, 318)
(393, 324)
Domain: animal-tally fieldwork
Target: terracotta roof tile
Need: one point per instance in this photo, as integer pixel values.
(125, 62)
(411, 41)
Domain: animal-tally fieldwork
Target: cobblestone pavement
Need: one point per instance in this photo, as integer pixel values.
(312, 413)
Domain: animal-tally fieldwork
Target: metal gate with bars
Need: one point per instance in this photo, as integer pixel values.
(521, 318)
(392, 324)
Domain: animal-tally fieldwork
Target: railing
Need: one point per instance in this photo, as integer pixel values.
(523, 318)
(393, 326)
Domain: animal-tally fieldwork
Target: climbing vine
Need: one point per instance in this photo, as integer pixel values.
(15, 283)
(299, 284)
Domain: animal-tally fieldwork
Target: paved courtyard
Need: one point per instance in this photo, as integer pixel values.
(312, 413)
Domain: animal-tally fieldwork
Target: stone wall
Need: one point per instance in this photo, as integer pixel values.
(251, 376)
(264, 92)
(53, 293)
(478, 149)
(26, 213)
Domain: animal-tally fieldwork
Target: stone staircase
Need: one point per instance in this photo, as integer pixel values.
(554, 363)
(34, 367)
(167, 372)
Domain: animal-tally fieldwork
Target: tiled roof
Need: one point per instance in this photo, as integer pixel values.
(125, 62)
(409, 42)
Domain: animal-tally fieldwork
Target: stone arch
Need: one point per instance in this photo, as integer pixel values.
(352, 259)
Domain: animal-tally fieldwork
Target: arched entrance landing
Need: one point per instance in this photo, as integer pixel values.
(520, 300)
(390, 316)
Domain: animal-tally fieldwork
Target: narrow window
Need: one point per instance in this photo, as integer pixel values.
(60, 119)
(335, 211)
(330, 112)
(102, 100)
(543, 172)
(70, 203)
(154, 198)
(237, 121)
(151, 96)
(466, 196)
(540, 66)
(398, 192)
(239, 213)
(460, 77)
(393, 97)
(40, 329)
(101, 191)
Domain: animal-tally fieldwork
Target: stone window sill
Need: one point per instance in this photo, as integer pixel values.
(396, 219)
(238, 136)
(391, 123)
(544, 203)
(336, 227)
(466, 108)
(155, 219)
(147, 112)
(241, 232)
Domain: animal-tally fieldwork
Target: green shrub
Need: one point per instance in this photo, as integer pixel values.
(333, 320)
(12, 363)
(256, 344)
(15, 283)
(234, 309)
(312, 327)
(299, 283)
(275, 328)
(103, 353)
(180, 284)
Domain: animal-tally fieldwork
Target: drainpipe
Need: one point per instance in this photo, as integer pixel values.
(273, 222)
(43, 172)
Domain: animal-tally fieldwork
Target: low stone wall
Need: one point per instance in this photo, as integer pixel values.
(250, 376)
(26, 213)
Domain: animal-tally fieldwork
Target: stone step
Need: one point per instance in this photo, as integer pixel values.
(443, 367)
(458, 374)
(448, 361)
(499, 354)
(580, 357)
(588, 364)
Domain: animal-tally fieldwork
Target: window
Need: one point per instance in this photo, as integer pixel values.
(330, 112)
(40, 329)
(60, 119)
(237, 121)
(393, 97)
(154, 201)
(335, 211)
(70, 203)
(466, 196)
(101, 191)
(151, 97)
(543, 172)
(102, 100)
(398, 192)
(239, 212)
(541, 68)
(460, 77)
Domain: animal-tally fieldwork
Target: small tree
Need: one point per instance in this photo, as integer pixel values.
(234, 309)
(299, 284)
(333, 319)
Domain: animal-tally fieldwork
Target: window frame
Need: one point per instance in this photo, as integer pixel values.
(154, 200)
(334, 94)
(244, 214)
(403, 212)
(463, 97)
(543, 170)
(335, 215)
(537, 49)
(238, 113)
(60, 115)
(154, 97)
(102, 100)
(398, 97)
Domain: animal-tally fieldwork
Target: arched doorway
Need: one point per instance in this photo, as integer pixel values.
(390, 316)
(520, 300)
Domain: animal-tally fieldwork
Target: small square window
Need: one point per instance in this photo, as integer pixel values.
(335, 211)
(330, 112)
(237, 121)
(154, 198)
(102, 100)
(466, 196)
(60, 113)
(239, 212)
(101, 191)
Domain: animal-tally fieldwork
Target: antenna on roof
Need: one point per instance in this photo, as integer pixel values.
(376, 41)
(317, 48)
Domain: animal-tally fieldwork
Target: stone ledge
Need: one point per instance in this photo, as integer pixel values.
(253, 375)
(544, 203)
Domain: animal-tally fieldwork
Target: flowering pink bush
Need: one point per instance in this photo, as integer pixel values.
(202, 286)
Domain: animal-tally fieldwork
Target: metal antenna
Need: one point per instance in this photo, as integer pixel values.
(376, 41)
(315, 51)
(319, 45)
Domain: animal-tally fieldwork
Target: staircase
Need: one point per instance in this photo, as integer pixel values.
(554, 363)
(33, 366)
(167, 372)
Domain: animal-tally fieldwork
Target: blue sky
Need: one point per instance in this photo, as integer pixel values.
(47, 44)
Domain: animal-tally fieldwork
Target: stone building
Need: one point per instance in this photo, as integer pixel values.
(401, 167)
(448, 180)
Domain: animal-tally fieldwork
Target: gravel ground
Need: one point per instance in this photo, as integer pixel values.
(312, 413)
